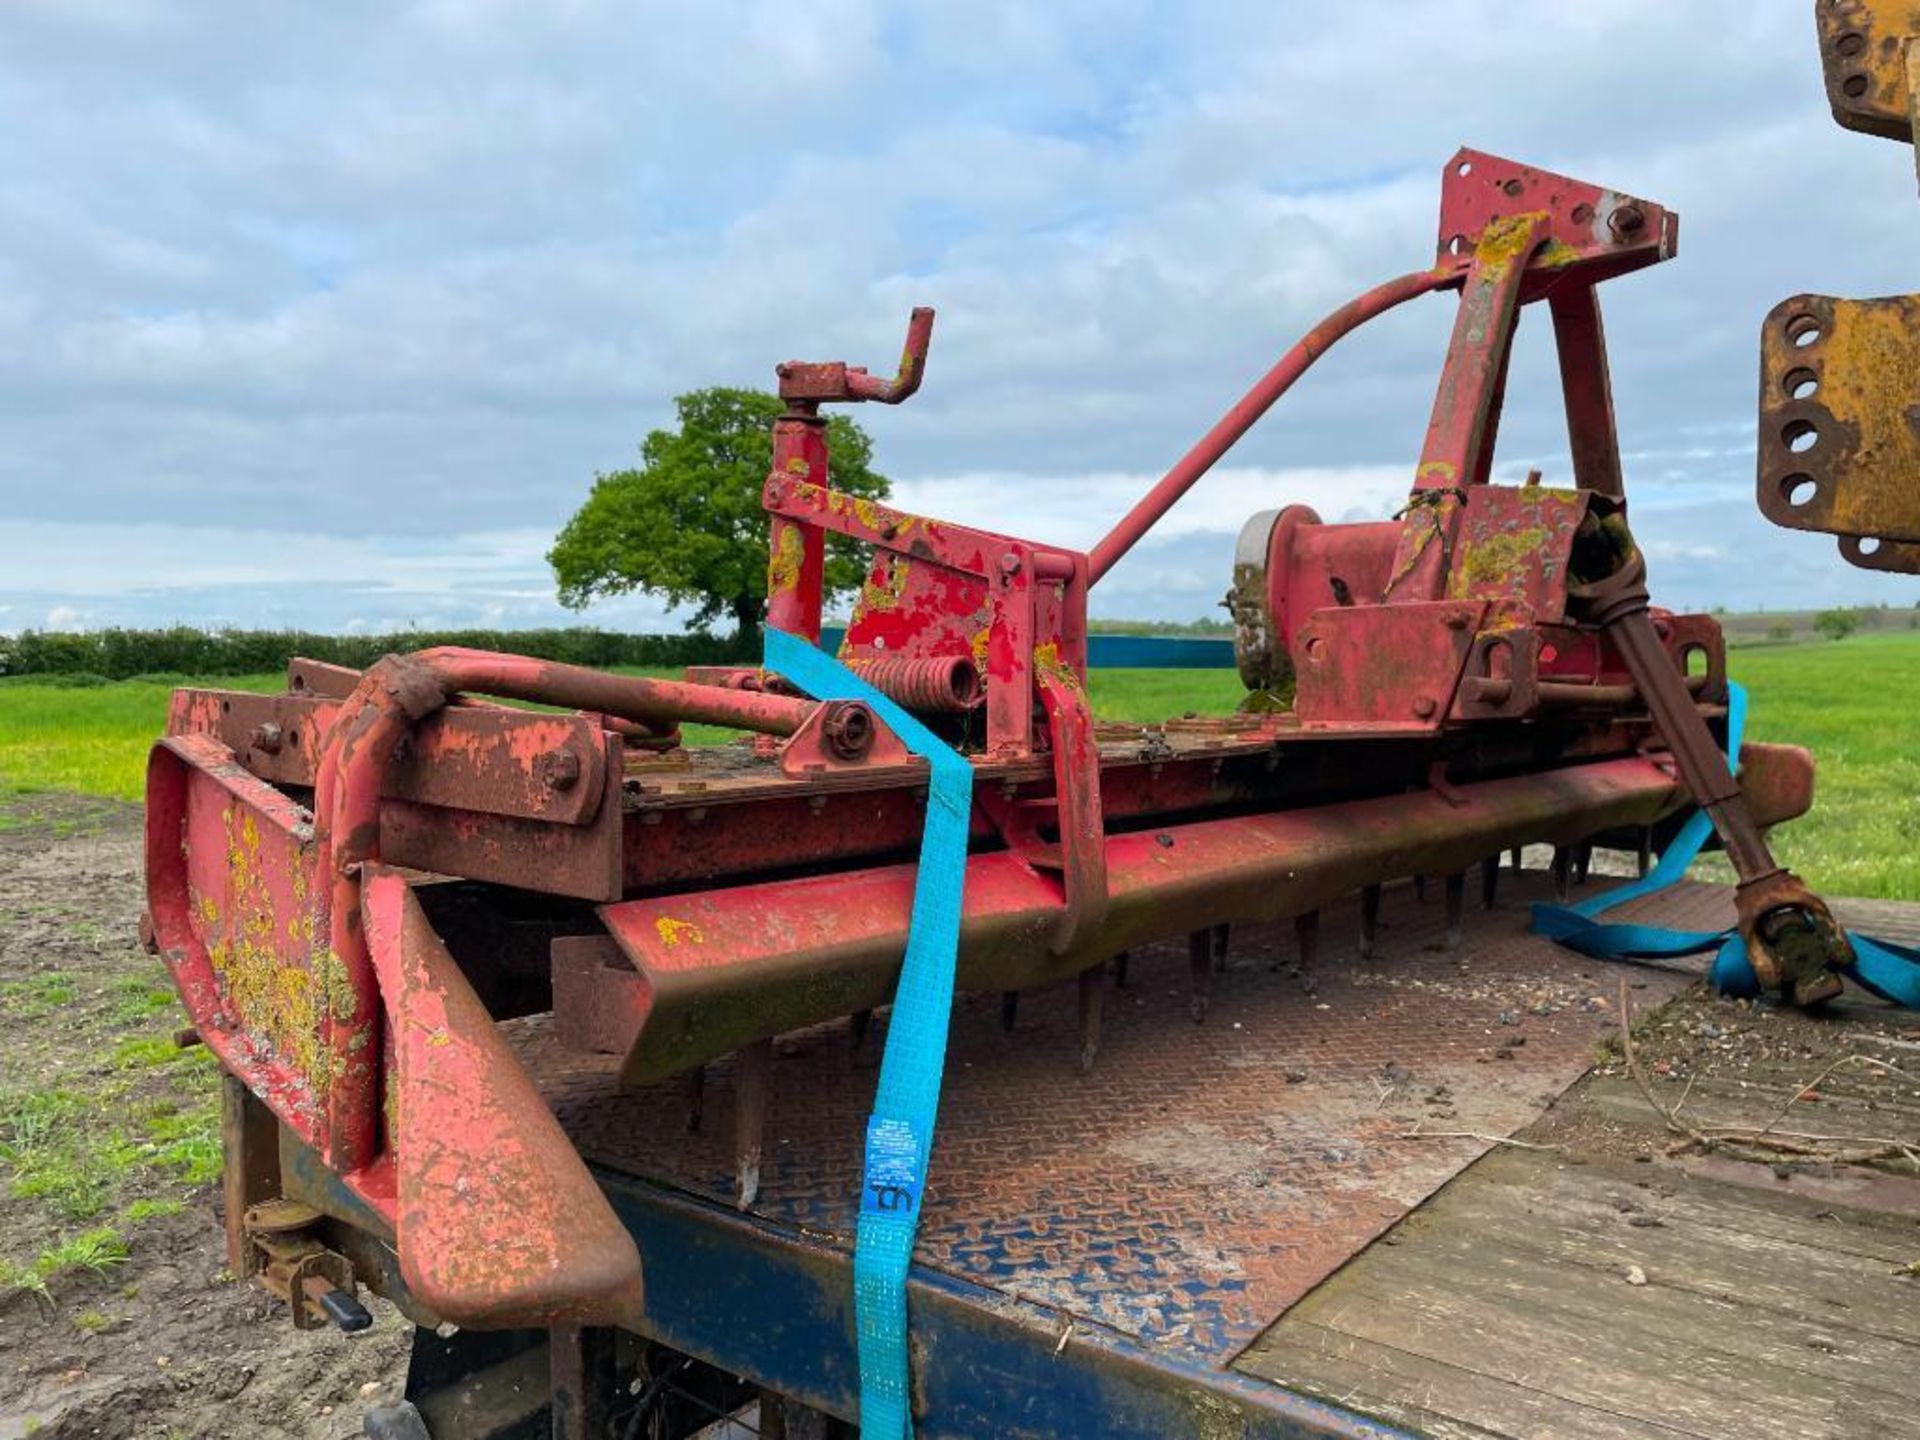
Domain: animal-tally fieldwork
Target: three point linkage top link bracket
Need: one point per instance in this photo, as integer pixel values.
(1839, 437)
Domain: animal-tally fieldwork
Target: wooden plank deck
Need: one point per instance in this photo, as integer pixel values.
(1606, 1288)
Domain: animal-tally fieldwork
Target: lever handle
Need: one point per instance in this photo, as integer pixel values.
(835, 380)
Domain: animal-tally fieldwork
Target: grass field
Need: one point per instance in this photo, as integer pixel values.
(1851, 702)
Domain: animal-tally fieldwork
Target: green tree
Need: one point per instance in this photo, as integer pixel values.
(1837, 624)
(687, 524)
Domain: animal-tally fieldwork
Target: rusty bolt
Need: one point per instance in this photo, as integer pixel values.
(1009, 564)
(1457, 620)
(1424, 706)
(1627, 220)
(558, 769)
(848, 730)
(266, 738)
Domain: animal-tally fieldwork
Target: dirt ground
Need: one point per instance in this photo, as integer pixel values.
(117, 1315)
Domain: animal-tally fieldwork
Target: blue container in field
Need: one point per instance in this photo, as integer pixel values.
(1126, 652)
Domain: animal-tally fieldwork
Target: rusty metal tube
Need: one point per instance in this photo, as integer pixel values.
(1566, 692)
(632, 697)
(1251, 406)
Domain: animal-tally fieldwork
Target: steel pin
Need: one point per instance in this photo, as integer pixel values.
(1489, 881)
(1456, 894)
(1009, 1009)
(1562, 866)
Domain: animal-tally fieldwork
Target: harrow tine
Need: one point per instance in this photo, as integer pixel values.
(1456, 893)
(1519, 858)
(1092, 1001)
(1489, 881)
(1200, 968)
(1420, 888)
(1120, 970)
(694, 1087)
(1562, 867)
(1306, 931)
(1643, 856)
(1369, 920)
(1009, 1009)
(1582, 863)
(858, 1024)
(1222, 934)
(753, 1069)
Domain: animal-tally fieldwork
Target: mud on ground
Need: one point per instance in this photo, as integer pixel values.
(117, 1315)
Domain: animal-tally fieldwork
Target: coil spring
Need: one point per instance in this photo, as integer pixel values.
(947, 685)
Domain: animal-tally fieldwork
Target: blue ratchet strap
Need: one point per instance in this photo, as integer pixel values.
(1890, 971)
(900, 1130)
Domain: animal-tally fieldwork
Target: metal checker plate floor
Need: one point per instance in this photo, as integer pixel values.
(1203, 1177)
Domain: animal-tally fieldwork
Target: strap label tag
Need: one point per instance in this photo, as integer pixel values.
(891, 1186)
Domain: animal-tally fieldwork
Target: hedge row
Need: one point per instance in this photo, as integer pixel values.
(183, 650)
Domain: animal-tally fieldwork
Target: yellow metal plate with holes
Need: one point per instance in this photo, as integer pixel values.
(1839, 443)
(1864, 54)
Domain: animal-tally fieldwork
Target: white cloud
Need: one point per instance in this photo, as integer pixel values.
(284, 282)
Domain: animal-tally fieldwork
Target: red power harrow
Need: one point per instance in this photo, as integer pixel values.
(356, 880)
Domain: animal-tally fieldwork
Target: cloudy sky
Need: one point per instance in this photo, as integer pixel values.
(326, 315)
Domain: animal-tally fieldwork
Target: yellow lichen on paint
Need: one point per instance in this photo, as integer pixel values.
(673, 931)
(884, 585)
(1503, 242)
(1047, 663)
(270, 987)
(797, 465)
(1498, 562)
(788, 555)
